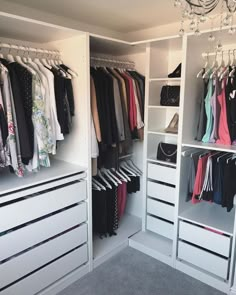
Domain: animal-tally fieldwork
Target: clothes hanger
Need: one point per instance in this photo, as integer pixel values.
(99, 184)
(43, 60)
(123, 166)
(131, 163)
(222, 66)
(119, 174)
(96, 187)
(104, 180)
(233, 65)
(199, 75)
(103, 170)
(218, 159)
(226, 71)
(217, 68)
(125, 175)
(1, 54)
(10, 57)
(214, 64)
(203, 154)
(112, 175)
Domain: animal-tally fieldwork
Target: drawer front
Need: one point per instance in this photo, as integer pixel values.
(162, 173)
(34, 233)
(160, 227)
(23, 264)
(205, 238)
(203, 259)
(40, 205)
(161, 192)
(161, 209)
(49, 274)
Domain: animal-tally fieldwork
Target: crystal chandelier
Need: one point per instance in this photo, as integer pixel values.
(197, 12)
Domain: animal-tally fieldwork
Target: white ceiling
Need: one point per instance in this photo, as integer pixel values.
(123, 16)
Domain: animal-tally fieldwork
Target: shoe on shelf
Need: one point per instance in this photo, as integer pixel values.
(173, 125)
(176, 73)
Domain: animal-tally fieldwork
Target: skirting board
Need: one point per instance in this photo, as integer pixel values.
(66, 281)
(203, 277)
(155, 254)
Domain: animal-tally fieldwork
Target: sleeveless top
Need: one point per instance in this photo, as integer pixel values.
(215, 112)
(208, 109)
(223, 131)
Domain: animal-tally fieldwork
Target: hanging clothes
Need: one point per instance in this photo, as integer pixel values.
(33, 101)
(117, 103)
(224, 136)
(208, 109)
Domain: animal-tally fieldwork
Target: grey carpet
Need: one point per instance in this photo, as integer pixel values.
(133, 273)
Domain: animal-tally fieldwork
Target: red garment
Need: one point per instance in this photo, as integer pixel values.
(132, 106)
(223, 130)
(122, 197)
(199, 180)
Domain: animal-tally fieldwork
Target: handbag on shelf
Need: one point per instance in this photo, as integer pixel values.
(167, 152)
(170, 95)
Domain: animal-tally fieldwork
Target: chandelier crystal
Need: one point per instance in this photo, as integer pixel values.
(197, 12)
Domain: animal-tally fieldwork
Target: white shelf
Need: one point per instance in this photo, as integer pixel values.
(10, 182)
(153, 245)
(210, 146)
(154, 160)
(163, 133)
(104, 248)
(164, 79)
(163, 107)
(210, 215)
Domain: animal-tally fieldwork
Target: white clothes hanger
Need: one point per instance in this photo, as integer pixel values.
(217, 68)
(122, 166)
(124, 174)
(214, 65)
(199, 75)
(43, 60)
(99, 184)
(109, 177)
(104, 180)
(119, 174)
(10, 57)
(96, 187)
(226, 71)
(112, 175)
(1, 55)
(131, 163)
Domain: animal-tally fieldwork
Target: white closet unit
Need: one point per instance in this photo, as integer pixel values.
(205, 245)
(160, 178)
(45, 216)
(131, 222)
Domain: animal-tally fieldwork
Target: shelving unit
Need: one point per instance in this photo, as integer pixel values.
(157, 236)
(154, 160)
(165, 79)
(131, 223)
(162, 132)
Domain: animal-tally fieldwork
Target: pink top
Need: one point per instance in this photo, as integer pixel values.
(223, 130)
(200, 176)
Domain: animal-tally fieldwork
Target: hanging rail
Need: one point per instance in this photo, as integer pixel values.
(29, 49)
(218, 53)
(105, 61)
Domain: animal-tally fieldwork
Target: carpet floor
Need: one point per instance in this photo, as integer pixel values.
(133, 273)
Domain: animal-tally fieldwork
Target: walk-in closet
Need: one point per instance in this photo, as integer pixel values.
(112, 141)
